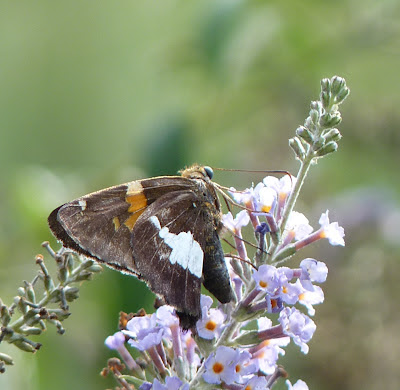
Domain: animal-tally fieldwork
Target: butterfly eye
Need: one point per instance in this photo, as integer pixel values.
(209, 172)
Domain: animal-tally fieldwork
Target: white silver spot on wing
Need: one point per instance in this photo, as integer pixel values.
(186, 251)
(82, 204)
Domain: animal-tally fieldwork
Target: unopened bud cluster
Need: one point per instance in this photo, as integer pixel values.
(319, 135)
(35, 310)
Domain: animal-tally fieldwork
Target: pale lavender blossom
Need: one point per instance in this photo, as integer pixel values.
(211, 323)
(298, 326)
(116, 341)
(220, 366)
(171, 383)
(331, 230)
(299, 385)
(309, 298)
(257, 383)
(235, 224)
(297, 227)
(313, 270)
(267, 279)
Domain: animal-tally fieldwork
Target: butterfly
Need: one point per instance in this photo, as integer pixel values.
(164, 230)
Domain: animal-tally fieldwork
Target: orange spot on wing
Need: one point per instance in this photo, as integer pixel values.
(116, 223)
(138, 204)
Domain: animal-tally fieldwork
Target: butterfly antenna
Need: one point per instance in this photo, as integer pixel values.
(245, 241)
(236, 257)
(277, 171)
(274, 171)
(249, 243)
(228, 200)
(229, 243)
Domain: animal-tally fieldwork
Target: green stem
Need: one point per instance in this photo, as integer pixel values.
(301, 175)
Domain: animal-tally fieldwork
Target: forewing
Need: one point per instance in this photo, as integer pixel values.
(99, 225)
(168, 243)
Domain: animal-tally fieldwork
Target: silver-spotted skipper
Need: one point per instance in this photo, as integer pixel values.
(163, 230)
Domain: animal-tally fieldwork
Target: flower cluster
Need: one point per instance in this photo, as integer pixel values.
(250, 361)
(238, 345)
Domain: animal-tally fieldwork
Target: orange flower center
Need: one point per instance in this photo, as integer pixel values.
(218, 368)
(211, 325)
(262, 284)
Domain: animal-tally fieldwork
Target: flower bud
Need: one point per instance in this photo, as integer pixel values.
(30, 292)
(314, 115)
(48, 283)
(337, 84)
(95, 268)
(316, 105)
(330, 147)
(319, 143)
(83, 276)
(325, 85)
(305, 134)
(88, 263)
(24, 346)
(71, 293)
(6, 359)
(308, 124)
(5, 316)
(342, 95)
(325, 98)
(62, 274)
(29, 330)
(332, 135)
(297, 147)
(330, 120)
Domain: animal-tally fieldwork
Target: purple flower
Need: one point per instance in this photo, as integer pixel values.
(309, 298)
(150, 339)
(212, 320)
(235, 224)
(264, 323)
(145, 386)
(166, 316)
(297, 227)
(139, 325)
(265, 199)
(265, 358)
(210, 324)
(244, 366)
(190, 346)
(144, 333)
(313, 270)
(171, 383)
(267, 279)
(331, 230)
(257, 383)
(290, 292)
(282, 186)
(299, 385)
(220, 366)
(116, 341)
(298, 326)
(245, 197)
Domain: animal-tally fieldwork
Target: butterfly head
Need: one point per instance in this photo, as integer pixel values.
(198, 172)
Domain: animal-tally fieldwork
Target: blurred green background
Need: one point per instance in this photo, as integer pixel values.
(95, 93)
